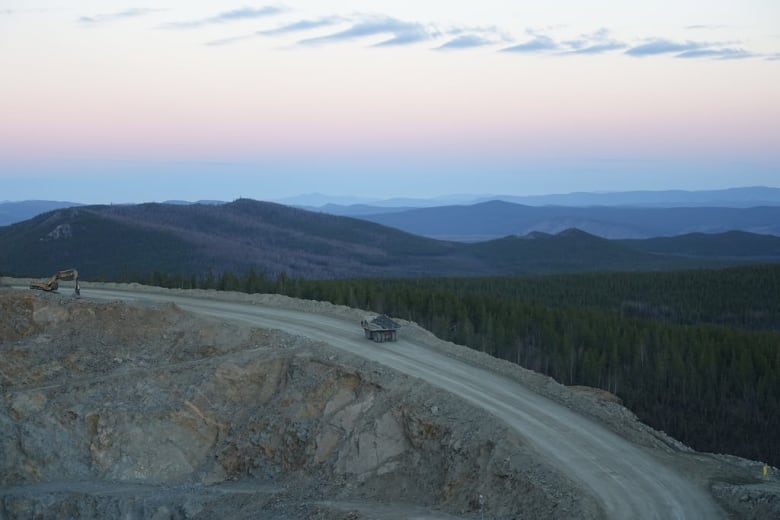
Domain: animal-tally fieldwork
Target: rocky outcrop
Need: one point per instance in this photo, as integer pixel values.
(114, 410)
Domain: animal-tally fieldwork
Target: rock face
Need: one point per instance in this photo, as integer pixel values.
(112, 410)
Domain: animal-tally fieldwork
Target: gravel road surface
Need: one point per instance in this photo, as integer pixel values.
(626, 479)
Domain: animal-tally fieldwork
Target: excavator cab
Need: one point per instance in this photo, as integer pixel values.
(52, 284)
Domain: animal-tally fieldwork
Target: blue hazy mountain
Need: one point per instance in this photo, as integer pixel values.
(494, 219)
(11, 212)
(744, 197)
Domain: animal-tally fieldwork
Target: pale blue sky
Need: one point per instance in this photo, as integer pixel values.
(128, 101)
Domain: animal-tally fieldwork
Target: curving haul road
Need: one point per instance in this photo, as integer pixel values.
(626, 479)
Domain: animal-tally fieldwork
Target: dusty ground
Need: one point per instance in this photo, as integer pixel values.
(113, 410)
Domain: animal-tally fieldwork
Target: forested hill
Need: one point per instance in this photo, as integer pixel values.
(116, 241)
(245, 235)
(732, 244)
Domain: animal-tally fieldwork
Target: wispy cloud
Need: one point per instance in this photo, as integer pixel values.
(303, 25)
(597, 42)
(661, 46)
(401, 32)
(466, 41)
(299, 26)
(471, 36)
(774, 57)
(598, 48)
(121, 15)
(537, 44)
(689, 49)
(721, 54)
(397, 32)
(244, 13)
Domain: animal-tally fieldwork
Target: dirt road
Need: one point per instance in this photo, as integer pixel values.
(627, 480)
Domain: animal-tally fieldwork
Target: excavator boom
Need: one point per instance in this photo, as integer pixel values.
(52, 284)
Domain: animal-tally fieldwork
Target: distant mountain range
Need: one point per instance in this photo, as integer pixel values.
(745, 197)
(489, 220)
(118, 241)
(11, 212)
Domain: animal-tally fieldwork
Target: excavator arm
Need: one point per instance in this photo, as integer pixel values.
(52, 284)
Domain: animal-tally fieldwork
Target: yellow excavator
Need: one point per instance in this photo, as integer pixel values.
(52, 284)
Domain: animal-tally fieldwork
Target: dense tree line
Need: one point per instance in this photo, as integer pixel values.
(695, 354)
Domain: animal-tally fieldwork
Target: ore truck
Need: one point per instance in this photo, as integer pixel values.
(380, 328)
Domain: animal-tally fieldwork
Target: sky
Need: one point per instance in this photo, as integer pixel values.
(129, 101)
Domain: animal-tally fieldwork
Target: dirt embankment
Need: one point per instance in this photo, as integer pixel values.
(116, 410)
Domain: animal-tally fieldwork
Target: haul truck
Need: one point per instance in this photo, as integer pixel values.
(380, 328)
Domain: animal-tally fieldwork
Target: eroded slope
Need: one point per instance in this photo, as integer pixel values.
(115, 410)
